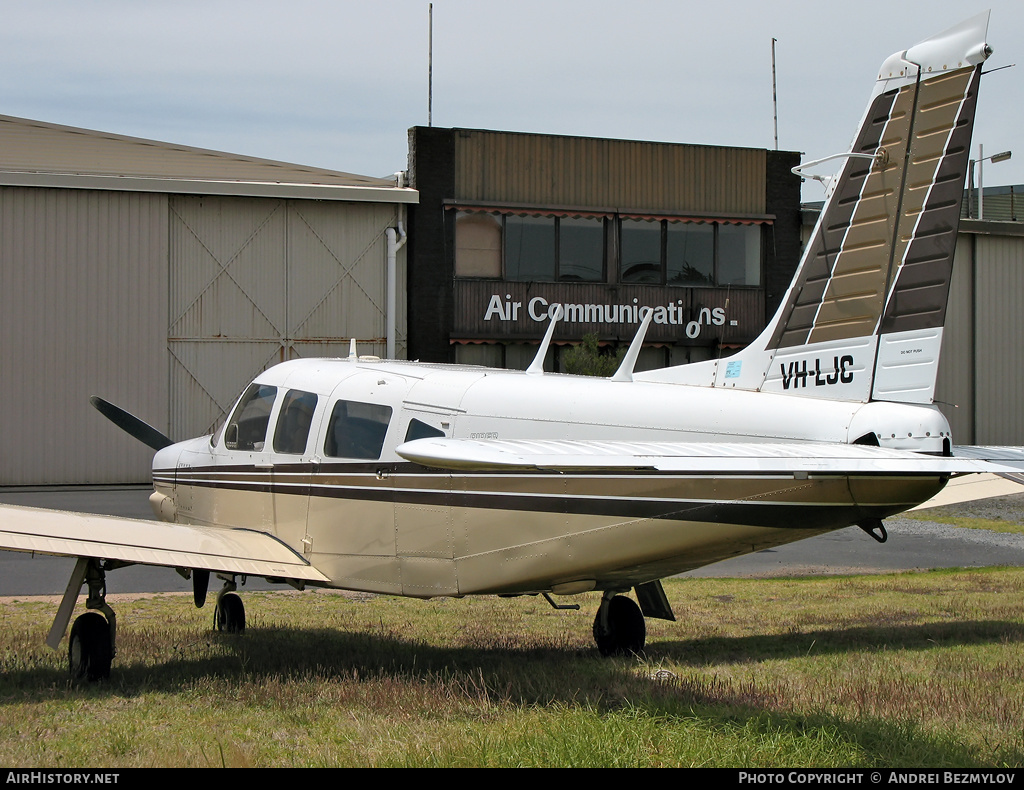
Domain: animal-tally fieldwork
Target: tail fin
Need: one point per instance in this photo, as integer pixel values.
(863, 317)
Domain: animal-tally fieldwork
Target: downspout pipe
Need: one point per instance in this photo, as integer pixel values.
(396, 240)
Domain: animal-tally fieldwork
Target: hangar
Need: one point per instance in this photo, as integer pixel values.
(163, 278)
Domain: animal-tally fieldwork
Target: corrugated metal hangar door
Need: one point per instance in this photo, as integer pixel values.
(255, 281)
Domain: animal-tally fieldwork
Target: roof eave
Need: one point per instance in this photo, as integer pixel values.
(190, 186)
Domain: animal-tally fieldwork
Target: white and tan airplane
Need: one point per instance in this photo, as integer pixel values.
(426, 480)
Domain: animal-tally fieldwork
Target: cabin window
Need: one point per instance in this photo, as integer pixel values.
(357, 430)
(420, 430)
(247, 428)
(294, 422)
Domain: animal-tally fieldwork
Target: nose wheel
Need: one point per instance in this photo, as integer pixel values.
(619, 627)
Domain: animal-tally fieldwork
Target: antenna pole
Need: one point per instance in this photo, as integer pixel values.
(775, 98)
(430, 66)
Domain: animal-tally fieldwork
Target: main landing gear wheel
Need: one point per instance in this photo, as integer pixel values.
(229, 616)
(619, 627)
(89, 648)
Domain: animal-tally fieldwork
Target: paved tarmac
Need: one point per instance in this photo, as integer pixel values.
(912, 545)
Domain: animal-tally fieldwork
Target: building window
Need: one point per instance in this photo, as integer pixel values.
(690, 253)
(739, 255)
(581, 249)
(478, 245)
(527, 248)
(640, 251)
(676, 252)
(530, 248)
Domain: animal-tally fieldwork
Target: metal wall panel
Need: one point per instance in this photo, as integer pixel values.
(980, 385)
(83, 311)
(572, 171)
(954, 388)
(999, 347)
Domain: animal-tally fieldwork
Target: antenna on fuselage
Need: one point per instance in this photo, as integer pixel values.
(537, 366)
(352, 355)
(625, 371)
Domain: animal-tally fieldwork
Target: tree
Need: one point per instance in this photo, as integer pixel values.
(589, 359)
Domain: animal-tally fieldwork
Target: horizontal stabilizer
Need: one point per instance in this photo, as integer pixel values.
(970, 488)
(240, 551)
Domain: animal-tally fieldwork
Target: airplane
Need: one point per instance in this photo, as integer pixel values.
(425, 480)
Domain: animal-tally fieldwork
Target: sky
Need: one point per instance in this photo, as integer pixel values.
(337, 84)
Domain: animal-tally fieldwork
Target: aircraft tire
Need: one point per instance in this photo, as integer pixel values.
(626, 632)
(89, 648)
(229, 616)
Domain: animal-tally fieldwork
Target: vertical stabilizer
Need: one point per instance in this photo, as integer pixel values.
(863, 318)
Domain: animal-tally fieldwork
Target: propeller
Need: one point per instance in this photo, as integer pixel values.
(131, 424)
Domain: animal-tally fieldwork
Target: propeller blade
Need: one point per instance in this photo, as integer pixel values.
(131, 424)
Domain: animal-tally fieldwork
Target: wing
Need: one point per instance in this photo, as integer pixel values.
(240, 551)
(782, 458)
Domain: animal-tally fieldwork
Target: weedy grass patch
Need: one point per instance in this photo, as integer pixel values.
(918, 669)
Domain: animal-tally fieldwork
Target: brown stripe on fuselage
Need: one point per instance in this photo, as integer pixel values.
(757, 500)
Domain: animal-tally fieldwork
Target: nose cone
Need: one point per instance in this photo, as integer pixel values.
(167, 458)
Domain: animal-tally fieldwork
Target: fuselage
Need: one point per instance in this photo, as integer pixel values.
(308, 454)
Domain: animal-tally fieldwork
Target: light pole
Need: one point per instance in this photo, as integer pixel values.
(1000, 157)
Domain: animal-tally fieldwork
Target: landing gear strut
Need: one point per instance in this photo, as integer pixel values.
(619, 627)
(91, 645)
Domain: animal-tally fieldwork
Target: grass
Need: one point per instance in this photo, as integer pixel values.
(918, 669)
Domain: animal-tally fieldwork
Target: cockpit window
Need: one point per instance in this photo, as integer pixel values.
(357, 430)
(420, 430)
(294, 422)
(247, 428)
